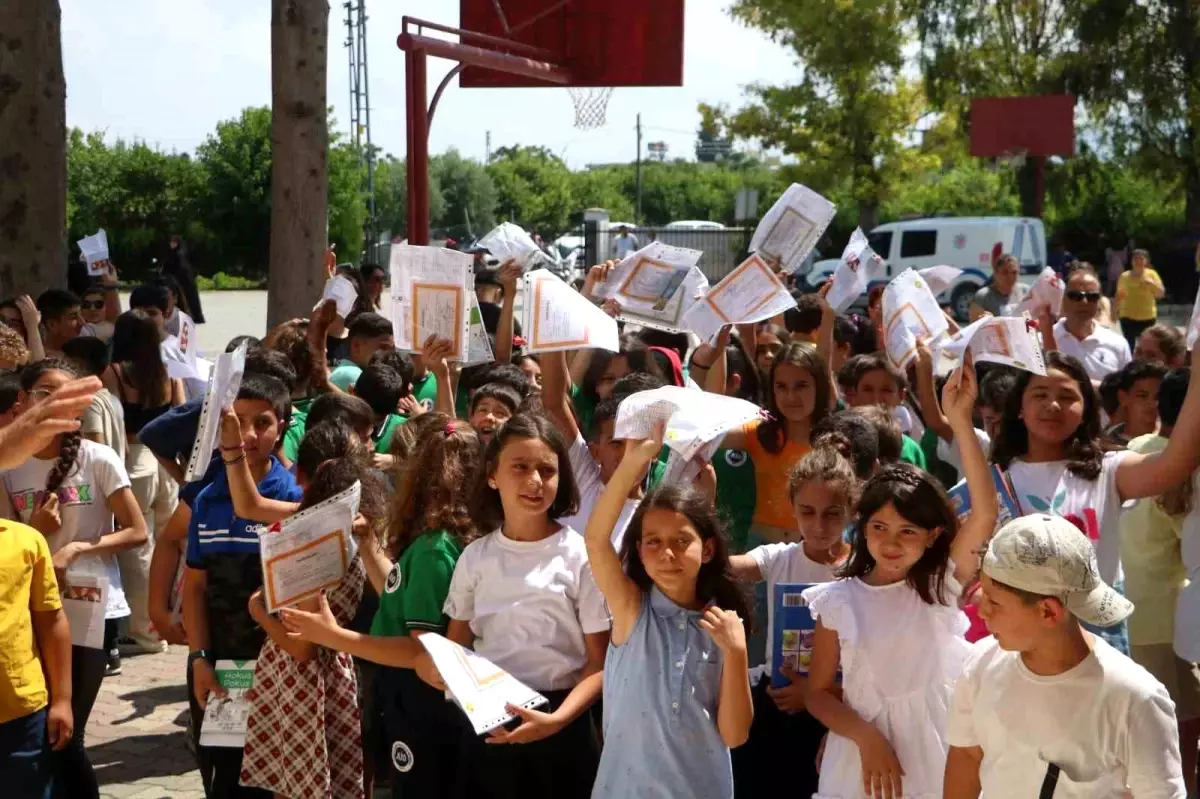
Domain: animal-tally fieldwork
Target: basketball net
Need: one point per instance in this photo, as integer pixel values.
(591, 103)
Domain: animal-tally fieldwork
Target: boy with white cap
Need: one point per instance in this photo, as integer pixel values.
(1045, 708)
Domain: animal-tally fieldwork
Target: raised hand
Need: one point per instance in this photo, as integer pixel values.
(38, 425)
(436, 353)
(725, 628)
(510, 271)
(960, 392)
(649, 448)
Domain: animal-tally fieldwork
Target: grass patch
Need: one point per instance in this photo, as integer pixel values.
(223, 282)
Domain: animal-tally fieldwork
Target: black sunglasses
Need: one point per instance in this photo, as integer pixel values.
(1084, 296)
(95, 305)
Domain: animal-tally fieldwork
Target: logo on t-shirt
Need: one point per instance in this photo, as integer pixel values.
(393, 581)
(67, 495)
(402, 757)
(735, 457)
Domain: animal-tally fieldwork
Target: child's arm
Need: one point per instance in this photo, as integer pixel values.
(164, 563)
(880, 766)
(1150, 475)
(825, 340)
(33, 332)
(435, 355)
(195, 622)
(962, 773)
(318, 626)
(302, 651)
(931, 409)
(536, 725)
(735, 706)
(459, 631)
(509, 272)
(958, 397)
(718, 370)
(556, 394)
(622, 594)
(374, 557)
(130, 533)
(52, 634)
(745, 568)
(247, 502)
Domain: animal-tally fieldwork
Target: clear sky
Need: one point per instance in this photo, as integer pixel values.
(166, 71)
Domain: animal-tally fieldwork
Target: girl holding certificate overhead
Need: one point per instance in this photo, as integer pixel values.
(428, 527)
(676, 681)
(524, 598)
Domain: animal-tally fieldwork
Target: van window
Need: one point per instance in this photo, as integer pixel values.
(881, 243)
(918, 243)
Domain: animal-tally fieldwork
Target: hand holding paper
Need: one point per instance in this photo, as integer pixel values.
(431, 290)
(750, 293)
(792, 227)
(507, 241)
(1047, 292)
(556, 317)
(95, 252)
(940, 278)
(1009, 340)
(342, 292)
(910, 314)
(223, 385)
(693, 418)
(650, 278)
(860, 265)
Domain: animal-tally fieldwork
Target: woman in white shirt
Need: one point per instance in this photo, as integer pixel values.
(70, 491)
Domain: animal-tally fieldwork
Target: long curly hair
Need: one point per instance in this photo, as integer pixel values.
(772, 433)
(1082, 449)
(716, 581)
(291, 338)
(434, 486)
(69, 443)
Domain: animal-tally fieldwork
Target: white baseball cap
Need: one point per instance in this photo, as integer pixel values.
(1048, 555)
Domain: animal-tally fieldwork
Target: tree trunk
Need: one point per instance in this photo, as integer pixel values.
(33, 148)
(299, 165)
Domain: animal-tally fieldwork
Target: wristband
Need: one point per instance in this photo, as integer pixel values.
(236, 460)
(697, 365)
(200, 654)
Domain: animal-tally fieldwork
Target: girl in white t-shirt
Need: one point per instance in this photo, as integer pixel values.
(524, 598)
(70, 492)
(891, 624)
(1049, 442)
(823, 490)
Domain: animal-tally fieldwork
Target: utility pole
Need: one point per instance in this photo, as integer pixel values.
(637, 213)
(487, 148)
(360, 110)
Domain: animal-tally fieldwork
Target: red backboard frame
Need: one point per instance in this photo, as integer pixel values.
(600, 42)
(1034, 126)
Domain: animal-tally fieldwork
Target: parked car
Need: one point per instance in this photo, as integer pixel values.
(694, 224)
(971, 244)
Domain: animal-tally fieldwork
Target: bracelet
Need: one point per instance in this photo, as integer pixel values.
(697, 365)
(236, 460)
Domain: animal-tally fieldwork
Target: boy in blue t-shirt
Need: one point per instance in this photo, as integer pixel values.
(223, 564)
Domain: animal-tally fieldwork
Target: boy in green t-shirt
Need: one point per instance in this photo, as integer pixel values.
(382, 388)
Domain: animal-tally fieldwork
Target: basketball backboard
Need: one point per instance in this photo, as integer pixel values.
(601, 42)
(1031, 126)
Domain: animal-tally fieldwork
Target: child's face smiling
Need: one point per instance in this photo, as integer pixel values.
(488, 416)
(896, 544)
(526, 477)
(260, 428)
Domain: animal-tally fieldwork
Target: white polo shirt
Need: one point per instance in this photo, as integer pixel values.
(1102, 353)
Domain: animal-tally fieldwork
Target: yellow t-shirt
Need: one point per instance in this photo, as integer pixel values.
(771, 469)
(1137, 297)
(1152, 560)
(27, 585)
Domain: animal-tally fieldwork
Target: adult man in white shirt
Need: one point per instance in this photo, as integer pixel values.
(624, 243)
(1044, 708)
(1102, 351)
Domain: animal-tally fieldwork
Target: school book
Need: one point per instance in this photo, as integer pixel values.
(793, 634)
(1010, 509)
(225, 717)
(481, 688)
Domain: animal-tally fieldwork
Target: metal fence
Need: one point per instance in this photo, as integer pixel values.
(723, 249)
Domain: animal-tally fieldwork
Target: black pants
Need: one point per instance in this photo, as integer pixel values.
(424, 735)
(777, 739)
(1133, 328)
(203, 762)
(220, 766)
(562, 766)
(74, 777)
(25, 757)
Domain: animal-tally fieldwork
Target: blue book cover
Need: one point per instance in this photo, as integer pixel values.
(1009, 507)
(793, 633)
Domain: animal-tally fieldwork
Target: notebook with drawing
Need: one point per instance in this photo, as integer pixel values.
(478, 686)
(793, 633)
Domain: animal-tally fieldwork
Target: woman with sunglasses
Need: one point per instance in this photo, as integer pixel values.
(95, 319)
(1080, 333)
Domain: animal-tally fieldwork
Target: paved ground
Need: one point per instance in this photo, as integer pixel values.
(136, 734)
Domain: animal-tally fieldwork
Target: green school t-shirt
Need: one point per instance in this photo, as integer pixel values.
(425, 390)
(296, 427)
(910, 452)
(736, 492)
(383, 441)
(417, 586)
(585, 410)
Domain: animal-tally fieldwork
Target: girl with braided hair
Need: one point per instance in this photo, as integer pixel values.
(892, 626)
(71, 492)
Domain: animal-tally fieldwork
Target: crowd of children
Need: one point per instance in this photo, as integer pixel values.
(500, 509)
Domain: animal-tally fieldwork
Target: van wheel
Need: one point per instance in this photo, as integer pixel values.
(960, 301)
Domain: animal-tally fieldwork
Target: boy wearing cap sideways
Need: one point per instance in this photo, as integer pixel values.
(1044, 708)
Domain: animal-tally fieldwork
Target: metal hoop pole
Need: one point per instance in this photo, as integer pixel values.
(437, 95)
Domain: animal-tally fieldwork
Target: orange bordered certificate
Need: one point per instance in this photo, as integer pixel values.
(437, 309)
(293, 575)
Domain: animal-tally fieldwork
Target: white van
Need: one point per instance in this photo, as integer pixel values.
(971, 244)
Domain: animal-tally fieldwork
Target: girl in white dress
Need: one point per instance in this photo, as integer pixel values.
(892, 625)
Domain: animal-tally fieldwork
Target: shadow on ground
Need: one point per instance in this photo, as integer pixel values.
(141, 757)
(147, 700)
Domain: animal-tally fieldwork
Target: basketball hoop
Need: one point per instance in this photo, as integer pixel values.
(591, 103)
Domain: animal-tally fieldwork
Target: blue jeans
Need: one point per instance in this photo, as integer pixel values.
(25, 770)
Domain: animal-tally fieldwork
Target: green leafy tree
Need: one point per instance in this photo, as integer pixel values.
(851, 103)
(347, 198)
(608, 187)
(534, 189)
(711, 143)
(391, 196)
(468, 196)
(237, 157)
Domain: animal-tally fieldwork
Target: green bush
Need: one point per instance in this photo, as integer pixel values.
(223, 282)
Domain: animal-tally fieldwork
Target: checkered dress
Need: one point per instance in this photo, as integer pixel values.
(302, 737)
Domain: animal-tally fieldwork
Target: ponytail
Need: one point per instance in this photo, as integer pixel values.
(68, 455)
(829, 463)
